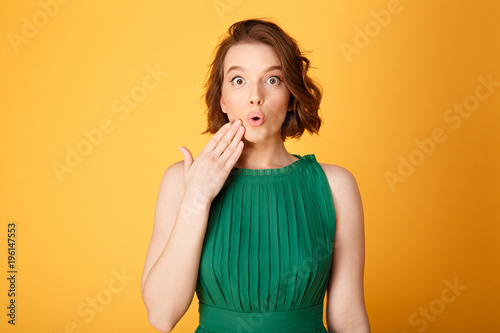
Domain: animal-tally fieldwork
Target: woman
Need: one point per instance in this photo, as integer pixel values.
(248, 226)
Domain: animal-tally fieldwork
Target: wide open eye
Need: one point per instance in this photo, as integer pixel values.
(274, 80)
(237, 80)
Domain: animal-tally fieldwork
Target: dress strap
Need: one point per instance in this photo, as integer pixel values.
(293, 321)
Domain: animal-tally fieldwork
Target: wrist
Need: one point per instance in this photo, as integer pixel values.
(194, 201)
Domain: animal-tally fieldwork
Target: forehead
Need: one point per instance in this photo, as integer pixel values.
(252, 57)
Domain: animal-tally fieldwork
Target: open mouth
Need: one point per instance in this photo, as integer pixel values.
(255, 118)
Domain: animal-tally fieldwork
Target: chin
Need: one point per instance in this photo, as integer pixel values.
(260, 137)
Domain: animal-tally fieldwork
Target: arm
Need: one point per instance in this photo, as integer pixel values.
(346, 311)
(172, 260)
(185, 195)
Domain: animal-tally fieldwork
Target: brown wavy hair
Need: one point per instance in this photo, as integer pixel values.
(305, 93)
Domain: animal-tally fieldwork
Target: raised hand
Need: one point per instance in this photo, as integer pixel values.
(205, 175)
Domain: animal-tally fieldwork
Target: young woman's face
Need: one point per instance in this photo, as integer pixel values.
(254, 90)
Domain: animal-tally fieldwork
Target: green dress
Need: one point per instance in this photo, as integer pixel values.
(267, 253)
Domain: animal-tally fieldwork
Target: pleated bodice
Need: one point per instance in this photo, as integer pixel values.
(267, 251)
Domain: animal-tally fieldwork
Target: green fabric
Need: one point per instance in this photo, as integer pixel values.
(267, 253)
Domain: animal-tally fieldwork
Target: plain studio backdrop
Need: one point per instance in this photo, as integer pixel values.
(97, 96)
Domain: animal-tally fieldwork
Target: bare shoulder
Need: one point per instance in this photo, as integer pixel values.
(173, 176)
(346, 196)
(169, 198)
(176, 169)
(339, 178)
(171, 187)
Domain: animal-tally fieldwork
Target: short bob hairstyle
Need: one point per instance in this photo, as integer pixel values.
(305, 93)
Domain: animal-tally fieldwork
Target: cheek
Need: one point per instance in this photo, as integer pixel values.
(282, 99)
(287, 95)
(231, 99)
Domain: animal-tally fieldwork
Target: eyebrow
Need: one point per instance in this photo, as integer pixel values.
(239, 68)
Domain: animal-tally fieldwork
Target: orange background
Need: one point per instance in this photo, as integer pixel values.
(391, 72)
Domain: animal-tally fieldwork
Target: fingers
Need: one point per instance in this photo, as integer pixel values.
(234, 157)
(214, 163)
(212, 143)
(232, 148)
(228, 138)
(188, 158)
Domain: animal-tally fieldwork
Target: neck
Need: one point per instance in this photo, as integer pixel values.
(265, 156)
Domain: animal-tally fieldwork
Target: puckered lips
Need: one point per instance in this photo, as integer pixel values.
(255, 118)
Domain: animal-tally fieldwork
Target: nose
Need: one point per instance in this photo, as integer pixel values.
(256, 97)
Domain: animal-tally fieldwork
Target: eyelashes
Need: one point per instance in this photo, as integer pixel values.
(272, 80)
